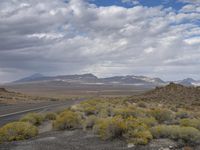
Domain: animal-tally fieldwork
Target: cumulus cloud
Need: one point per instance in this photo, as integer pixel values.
(75, 36)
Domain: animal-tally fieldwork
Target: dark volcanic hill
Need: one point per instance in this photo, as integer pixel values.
(172, 94)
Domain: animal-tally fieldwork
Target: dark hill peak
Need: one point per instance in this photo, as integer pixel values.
(189, 80)
(173, 86)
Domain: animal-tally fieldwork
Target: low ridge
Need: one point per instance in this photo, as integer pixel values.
(9, 97)
(172, 94)
(3, 90)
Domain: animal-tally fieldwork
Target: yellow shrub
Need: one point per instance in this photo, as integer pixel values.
(137, 132)
(126, 112)
(140, 137)
(189, 135)
(190, 123)
(67, 120)
(108, 128)
(50, 116)
(33, 118)
(95, 107)
(103, 113)
(162, 115)
(17, 131)
(149, 121)
(90, 110)
(88, 107)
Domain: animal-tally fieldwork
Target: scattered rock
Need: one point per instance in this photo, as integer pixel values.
(130, 145)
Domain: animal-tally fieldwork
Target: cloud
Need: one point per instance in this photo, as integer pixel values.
(193, 41)
(190, 1)
(133, 2)
(191, 8)
(57, 37)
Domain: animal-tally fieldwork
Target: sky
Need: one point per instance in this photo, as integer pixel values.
(156, 38)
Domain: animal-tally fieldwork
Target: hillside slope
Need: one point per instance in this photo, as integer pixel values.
(172, 94)
(7, 97)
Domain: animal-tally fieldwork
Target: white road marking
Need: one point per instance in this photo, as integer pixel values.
(28, 110)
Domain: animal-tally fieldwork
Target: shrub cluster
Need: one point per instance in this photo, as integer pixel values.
(50, 116)
(133, 130)
(88, 108)
(33, 118)
(190, 123)
(17, 131)
(162, 115)
(137, 132)
(138, 122)
(67, 120)
(149, 121)
(108, 128)
(189, 135)
(126, 112)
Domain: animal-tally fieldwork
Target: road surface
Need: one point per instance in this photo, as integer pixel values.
(9, 113)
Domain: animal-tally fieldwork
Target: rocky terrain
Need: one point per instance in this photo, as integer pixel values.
(176, 94)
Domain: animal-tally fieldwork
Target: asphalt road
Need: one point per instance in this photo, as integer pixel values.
(9, 113)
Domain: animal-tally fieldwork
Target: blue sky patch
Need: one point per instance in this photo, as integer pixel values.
(149, 3)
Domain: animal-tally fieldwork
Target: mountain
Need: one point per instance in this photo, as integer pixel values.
(64, 78)
(92, 79)
(172, 94)
(33, 77)
(89, 84)
(133, 80)
(189, 82)
(83, 77)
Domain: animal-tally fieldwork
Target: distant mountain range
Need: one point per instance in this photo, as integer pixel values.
(115, 80)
